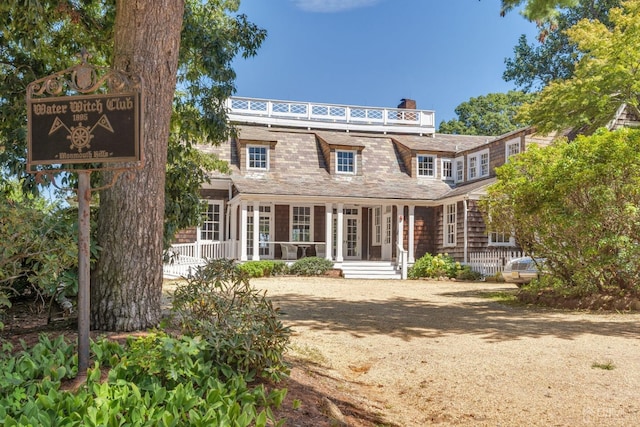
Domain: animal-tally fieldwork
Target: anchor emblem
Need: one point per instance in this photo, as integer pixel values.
(81, 136)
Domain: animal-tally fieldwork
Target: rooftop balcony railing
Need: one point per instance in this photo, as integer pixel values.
(330, 116)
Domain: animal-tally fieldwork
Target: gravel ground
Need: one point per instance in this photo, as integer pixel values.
(426, 352)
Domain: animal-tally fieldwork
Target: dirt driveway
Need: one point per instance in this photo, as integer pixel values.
(423, 353)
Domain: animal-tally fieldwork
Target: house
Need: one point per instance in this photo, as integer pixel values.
(348, 183)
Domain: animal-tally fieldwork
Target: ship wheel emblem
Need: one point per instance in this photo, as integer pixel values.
(81, 136)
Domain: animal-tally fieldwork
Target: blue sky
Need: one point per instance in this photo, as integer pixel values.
(376, 52)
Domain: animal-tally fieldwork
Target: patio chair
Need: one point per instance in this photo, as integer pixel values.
(289, 251)
(321, 250)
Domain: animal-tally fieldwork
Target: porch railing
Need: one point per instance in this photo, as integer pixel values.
(402, 261)
(492, 262)
(332, 116)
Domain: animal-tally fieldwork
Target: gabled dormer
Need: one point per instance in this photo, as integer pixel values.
(255, 150)
(342, 153)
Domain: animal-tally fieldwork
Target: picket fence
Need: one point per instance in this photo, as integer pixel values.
(493, 262)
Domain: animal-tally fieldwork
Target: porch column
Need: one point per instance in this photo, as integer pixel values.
(466, 239)
(400, 213)
(233, 232)
(328, 230)
(243, 230)
(339, 231)
(412, 222)
(256, 231)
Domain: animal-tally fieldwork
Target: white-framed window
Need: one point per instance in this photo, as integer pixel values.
(265, 230)
(426, 166)
(345, 162)
(301, 223)
(450, 225)
(376, 226)
(459, 169)
(446, 169)
(501, 239)
(511, 149)
(257, 157)
(478, 164)
(211, 227)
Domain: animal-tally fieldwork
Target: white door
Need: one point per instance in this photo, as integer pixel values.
(265, 247)
(351, 234)
(387, 232)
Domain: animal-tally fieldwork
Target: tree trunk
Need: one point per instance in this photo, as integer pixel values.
(127, 281)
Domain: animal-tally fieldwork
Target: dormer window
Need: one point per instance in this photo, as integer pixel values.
(346, 162)
(446, 169)
(426, 166)
(478, 164)
(257, 157)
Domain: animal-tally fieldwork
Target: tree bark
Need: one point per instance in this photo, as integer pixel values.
(126, 285)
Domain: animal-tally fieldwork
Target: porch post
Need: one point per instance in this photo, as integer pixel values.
(339, 230)
(328, 230)
(233, 233)
(400, 213)
(412, 222)
(243, 230)
(466, 239)
(256, 231)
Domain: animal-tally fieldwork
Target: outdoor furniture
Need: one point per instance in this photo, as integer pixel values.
(321, 250)
(289, 251)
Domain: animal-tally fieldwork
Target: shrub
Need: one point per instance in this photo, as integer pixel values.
(441, 265)
(311, 266)
(238, 323)
(263, 268)
(155, 380)
(466, 273)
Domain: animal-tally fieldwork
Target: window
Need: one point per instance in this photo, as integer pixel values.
(447, 169)
(478, 164)
(511, 149)
(460, 169)
(501, 239)
(265, 231)
(301, 221)
(346, 162)
(426, 166)
(473, 167)
(257, 157)
(212, 222)
(450, 219)
(377, 226)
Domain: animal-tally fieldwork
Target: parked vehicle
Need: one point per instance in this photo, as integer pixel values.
(523, 270)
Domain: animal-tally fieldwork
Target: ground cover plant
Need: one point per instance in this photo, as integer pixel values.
(440, 266)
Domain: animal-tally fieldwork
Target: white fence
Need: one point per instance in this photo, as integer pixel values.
(491, 263)
(184, 257)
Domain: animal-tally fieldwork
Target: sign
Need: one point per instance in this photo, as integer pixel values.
(84, 129)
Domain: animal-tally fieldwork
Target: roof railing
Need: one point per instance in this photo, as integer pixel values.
(330, 116)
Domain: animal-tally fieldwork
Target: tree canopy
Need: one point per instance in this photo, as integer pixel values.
(605, 77)
(492, 114)
(553, 56)
(550, 197)
(537, 10)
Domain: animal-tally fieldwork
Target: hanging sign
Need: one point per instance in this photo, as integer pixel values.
(84, 129)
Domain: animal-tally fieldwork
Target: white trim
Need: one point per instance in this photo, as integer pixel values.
(376, 226)
(433, 165)
(443, 169)
(507, 148)
(446, 230)
(491, 243)
(458, 161)
(475, 160)
(291, 207)
(221, 223)
(354, 153)
(266, 155)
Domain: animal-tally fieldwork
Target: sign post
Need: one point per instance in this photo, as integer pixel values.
(80, 120)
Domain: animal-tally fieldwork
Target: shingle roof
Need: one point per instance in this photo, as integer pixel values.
(298, 166)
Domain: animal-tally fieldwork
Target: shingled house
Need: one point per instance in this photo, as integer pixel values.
(348, 183)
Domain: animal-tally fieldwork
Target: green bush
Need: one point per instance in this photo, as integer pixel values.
(311, 266)
(156, 380)
(239, 324)
(441, 265)
(263, 268)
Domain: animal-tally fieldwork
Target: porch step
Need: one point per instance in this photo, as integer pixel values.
(369, 270)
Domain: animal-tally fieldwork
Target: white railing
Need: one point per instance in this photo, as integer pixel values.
(181, 266)
(183, 257)
(334, 116)
(402, 262)
(493, 262)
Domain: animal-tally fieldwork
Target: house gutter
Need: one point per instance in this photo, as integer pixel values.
(466, 220)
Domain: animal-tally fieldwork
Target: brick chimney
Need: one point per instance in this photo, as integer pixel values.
(409, 104)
